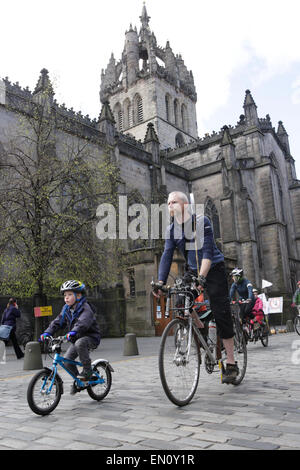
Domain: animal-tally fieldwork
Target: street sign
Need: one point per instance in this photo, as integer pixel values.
(43, 311)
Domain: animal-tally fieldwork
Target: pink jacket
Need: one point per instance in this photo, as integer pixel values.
(258, 309)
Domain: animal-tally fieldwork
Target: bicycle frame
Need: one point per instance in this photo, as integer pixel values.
(61, 360)
(193, 320)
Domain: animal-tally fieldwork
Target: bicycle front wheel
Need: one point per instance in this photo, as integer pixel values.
(297, 324)
(44, 393)
(240, 351)
(179, 362)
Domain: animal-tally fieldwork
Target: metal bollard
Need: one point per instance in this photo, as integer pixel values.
(289, 326)
(130, 345)
(33, 356)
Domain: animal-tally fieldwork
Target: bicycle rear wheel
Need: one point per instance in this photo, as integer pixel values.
(100, 390)
(179, 368)
(264, 335)
(297, 324)
(40, 398)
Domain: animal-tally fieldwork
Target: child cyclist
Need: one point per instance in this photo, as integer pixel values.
(84, 333)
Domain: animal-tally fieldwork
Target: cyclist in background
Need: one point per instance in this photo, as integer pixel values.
(244, 289)
(296, 297)
(257, 310)
(84, 333)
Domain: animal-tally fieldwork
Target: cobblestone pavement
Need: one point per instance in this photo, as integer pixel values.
(261, 413)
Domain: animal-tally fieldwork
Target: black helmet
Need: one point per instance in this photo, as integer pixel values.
(75, 286)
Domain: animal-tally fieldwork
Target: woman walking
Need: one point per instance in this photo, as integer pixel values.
(10, 315)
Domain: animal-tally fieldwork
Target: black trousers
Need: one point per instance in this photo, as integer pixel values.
(218, 293)
(246, 310)
(13, 338)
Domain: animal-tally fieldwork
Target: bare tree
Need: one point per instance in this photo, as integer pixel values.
(50, 185)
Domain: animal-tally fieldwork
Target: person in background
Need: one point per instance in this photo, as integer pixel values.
(257, 310)
(243, 287)
(10, 315)
(296, 297)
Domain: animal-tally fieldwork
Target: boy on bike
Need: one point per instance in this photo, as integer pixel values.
(84, 333)
(244, 288)
(211, 273)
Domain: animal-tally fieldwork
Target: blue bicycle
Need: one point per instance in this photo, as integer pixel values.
(46, 387)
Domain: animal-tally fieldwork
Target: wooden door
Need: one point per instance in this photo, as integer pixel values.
(160, 322)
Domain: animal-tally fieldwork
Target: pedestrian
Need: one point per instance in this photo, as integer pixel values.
(10, 315)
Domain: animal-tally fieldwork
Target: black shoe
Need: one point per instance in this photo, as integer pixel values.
(73, 389)
(230, 374)
(85, 375)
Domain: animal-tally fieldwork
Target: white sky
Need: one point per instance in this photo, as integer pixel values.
(230, 46)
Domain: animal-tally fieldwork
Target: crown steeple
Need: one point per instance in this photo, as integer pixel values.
(126, 85)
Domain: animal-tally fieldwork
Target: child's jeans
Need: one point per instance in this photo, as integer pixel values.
(80, 348)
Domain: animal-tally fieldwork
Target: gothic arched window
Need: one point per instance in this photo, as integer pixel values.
(211, 212)
(176, 109)
(138, 109)
(277, 188)
(127, 114)
(118, 115)
(184, 118)
(168, 107)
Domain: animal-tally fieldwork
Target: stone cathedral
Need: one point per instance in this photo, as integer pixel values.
(244, 175)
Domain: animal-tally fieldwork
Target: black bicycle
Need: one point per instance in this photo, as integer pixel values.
(184, 340)
(253, 331)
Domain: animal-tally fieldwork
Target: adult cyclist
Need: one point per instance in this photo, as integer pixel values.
(206, 262)
(243, 287)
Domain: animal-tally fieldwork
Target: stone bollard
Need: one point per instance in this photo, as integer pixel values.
(290, 326)
(130, 345)
(33, 356)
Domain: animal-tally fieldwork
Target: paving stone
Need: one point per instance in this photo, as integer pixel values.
(253, 444)
(258, 414)
(160, 445)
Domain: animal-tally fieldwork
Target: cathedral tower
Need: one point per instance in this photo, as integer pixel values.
(151, 84)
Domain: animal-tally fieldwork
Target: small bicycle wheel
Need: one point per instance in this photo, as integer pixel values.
(297, 324)
(179, 365)
(100, 390)
(43, 396)
(240, 351)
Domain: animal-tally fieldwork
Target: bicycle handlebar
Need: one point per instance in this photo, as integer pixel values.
(156, 286)
(58, 340)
